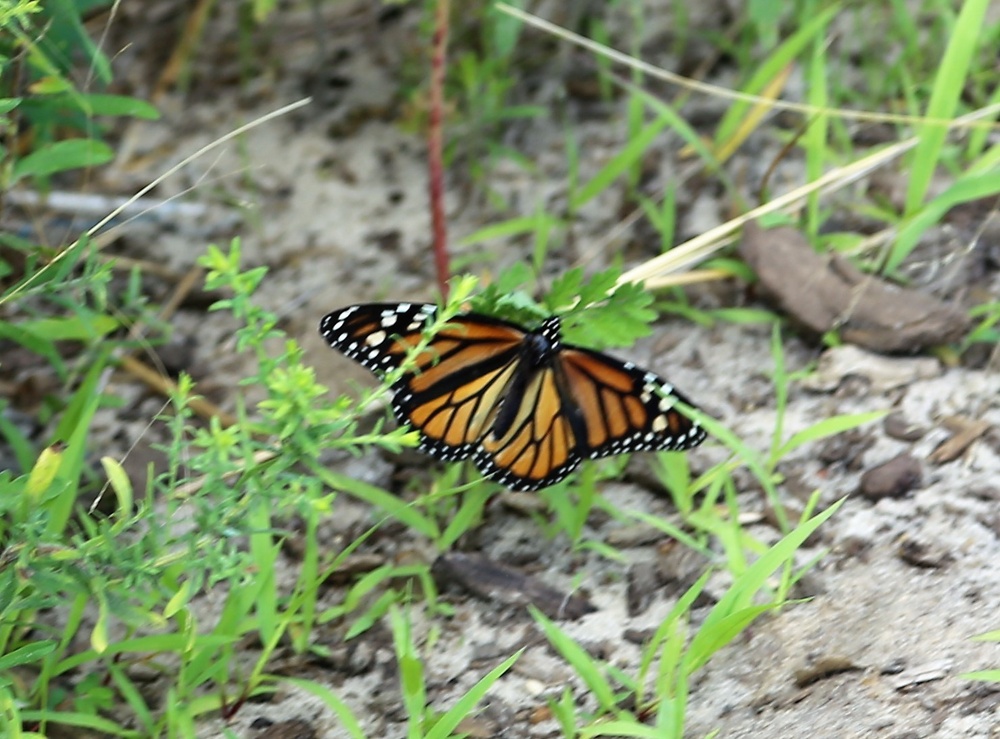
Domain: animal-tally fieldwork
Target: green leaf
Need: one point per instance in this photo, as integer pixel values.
(50, 85)
(31, 652)
(66, 31)
(62, 156)
(599, 287)
(120, 484)
(70, 329)
(565, 290)
(619, 320)
(119, 105)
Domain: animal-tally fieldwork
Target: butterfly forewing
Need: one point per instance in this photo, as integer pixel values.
(378, 335)
(453, 418)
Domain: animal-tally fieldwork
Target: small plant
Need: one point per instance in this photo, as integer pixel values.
(36, 53)
(653, 701)
(142, 567)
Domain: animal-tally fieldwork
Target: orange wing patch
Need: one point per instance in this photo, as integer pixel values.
(539, 440)
(625, 408)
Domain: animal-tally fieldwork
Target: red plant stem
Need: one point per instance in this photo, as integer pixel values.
(435, 137)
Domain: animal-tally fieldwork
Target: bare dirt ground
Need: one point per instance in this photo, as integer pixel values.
(332, 198)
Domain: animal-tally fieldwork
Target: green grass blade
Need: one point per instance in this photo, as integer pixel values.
(825, 428)
(513, 227)
(265, 553)
(411, 672)
(581, 662)
(735, 607)
(668, 625)
(74, 428)
(948, 87)
(446, 725)
(771, 68)
(814, 140)
(620, 163)
(964, 190)
(80, 721)
(24, 655)
(624, 728)
(677, 124)
(348, 720)
(386, 502)
(133, 697)
(992, 676)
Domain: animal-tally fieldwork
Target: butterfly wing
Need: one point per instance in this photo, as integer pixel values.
(582, 405)
(538, 444)
(377, 335)
(624, 408)
(455, 389)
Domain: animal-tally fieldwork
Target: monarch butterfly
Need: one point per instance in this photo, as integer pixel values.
(526, 407)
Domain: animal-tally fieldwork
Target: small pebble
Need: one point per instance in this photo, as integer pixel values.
(897, 426)
(892, 479)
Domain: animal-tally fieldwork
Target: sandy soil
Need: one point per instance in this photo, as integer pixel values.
(333, 199)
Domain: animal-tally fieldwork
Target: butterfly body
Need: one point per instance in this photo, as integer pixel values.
(524, 406)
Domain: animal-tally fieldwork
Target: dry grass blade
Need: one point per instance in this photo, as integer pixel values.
(654, 273)
(703, 87)
(94, 230)
(167, 387)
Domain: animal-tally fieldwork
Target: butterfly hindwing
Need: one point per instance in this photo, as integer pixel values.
(538, 446)
(624, 407)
